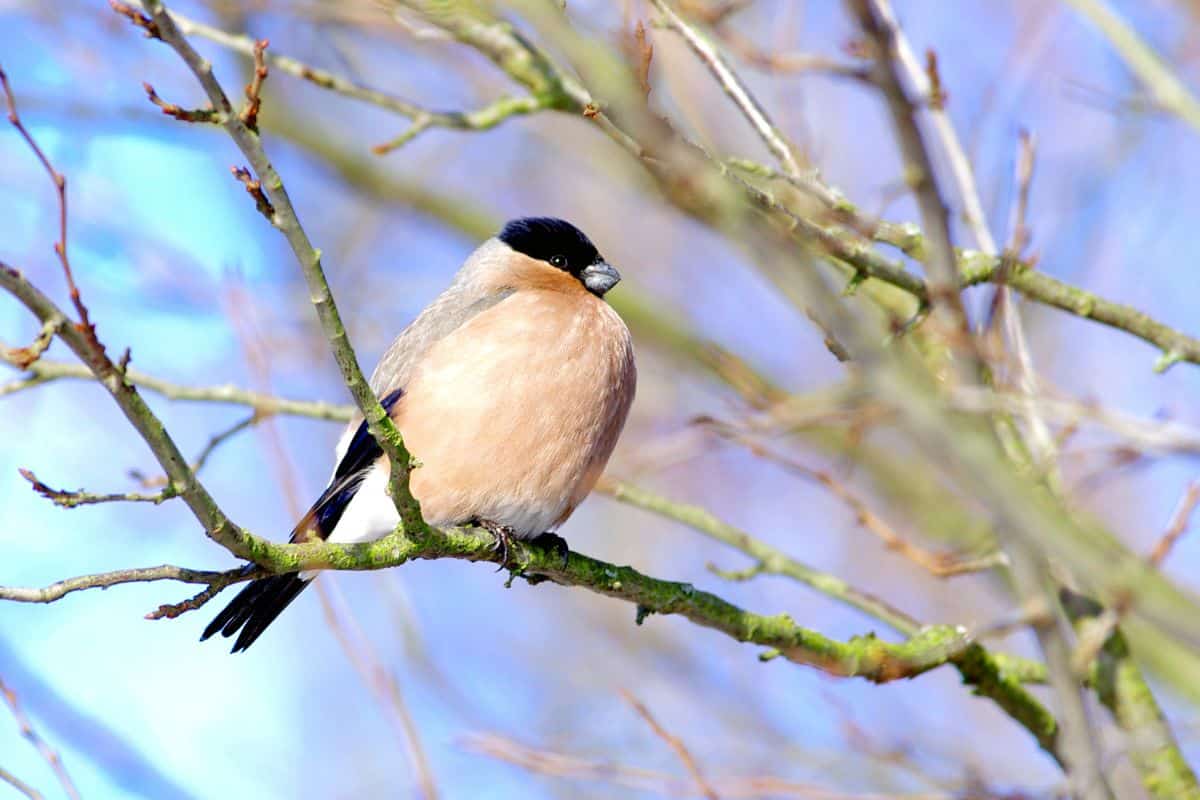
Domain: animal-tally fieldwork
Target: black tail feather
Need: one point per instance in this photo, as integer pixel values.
(254, 608)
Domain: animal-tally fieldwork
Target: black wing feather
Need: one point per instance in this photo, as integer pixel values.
(257, 605)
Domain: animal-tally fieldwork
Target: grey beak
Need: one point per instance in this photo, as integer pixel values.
(600, 277)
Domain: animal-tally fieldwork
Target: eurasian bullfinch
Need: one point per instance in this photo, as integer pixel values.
(510, 389)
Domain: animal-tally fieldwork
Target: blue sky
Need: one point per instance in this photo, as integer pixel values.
(175, 264)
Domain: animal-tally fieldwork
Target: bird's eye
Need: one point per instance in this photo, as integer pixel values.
(559, 261)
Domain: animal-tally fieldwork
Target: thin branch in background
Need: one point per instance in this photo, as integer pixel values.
(66, 499)
(357, 647)
(1168, 91)
(556, 764)
(640, 51)
(751, 109)
(945, 300)
(769, 560)
(1081, 759)
(224, 436)
(790, 63)
(60, 185)
(48, 753)
(45, 371)
(941, 565)
(214, 441)
(20, 785)
(382, 682)
(1018, 225)
(480, 119)
(1137, 434)
(1044, 444)
(1178, 525)
(675, 743)
(1122, 688)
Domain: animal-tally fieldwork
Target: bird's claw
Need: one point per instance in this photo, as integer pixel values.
(556, 544)
(504, 536)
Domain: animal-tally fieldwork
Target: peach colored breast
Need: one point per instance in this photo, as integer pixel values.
(513, 416)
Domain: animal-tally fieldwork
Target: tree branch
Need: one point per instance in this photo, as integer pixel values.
(309, 259)
(556, 90)
(45, 371)
(102, 580)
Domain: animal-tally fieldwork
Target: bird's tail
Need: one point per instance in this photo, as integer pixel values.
(256, 607)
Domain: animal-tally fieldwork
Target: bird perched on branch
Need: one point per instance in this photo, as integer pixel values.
(511, 389)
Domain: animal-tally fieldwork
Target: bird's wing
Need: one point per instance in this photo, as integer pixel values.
(262, 600)
(446, 314)
(361, 454)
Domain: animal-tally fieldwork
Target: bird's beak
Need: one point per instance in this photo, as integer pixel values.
(600, 277)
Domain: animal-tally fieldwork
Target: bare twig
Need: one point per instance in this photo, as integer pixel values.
(214, 441)
(102, 580)
(309, 259)
(136, 17)
(48, 753)
(1178, 524)
(941, 565)
(46, 371)
(179, 112)
(254, 189)
(24, 357)
(66, 499)
(1165, 87)
(382, 682)
(675, 743)
(790, 63)
(422, 119)
(944, 283)
(543, 761)
(20, 785)
(1018, 225)
(81, 338)
(768, 559)
(737, 91)
(60, 247)
(249, 112)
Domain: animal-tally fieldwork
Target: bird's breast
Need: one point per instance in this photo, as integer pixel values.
(514, 415)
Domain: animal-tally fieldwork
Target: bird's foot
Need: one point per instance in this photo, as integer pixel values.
(554, 543)
(504, 535)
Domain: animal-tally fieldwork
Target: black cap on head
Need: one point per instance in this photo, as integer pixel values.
(552, 240)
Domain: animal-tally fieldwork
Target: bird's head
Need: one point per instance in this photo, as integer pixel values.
(558, 245)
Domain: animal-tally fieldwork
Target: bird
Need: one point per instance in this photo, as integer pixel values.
(510, 389)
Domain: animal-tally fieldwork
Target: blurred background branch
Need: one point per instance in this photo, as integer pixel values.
(1054, 464)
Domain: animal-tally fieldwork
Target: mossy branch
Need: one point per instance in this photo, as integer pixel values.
(994, 675)
(1122, 688)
